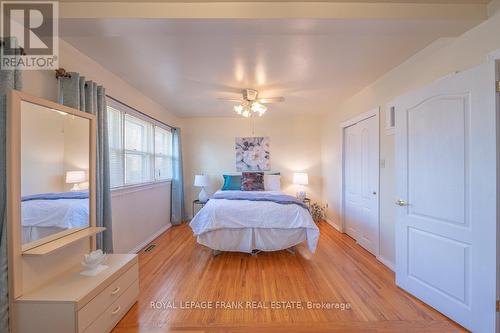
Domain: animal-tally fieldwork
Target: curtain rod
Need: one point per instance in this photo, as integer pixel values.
(61, 72)
(140, 112)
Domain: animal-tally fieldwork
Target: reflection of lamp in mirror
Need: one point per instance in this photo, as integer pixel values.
(75, 177)
(301, 179)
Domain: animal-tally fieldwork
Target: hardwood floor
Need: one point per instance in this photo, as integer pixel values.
(179, 270)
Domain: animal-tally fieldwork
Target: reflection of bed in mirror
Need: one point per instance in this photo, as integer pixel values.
(54, 173)
(50, 213)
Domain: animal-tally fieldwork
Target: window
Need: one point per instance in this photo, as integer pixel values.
(140, 147)
(115, 146)
(163, 153)
(138, 150)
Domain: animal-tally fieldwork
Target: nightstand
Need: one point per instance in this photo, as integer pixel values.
(198, 202)
(307, 201)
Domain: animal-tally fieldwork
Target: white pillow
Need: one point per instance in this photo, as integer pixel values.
(272, 182)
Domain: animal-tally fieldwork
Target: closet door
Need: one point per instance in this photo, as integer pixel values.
(361, 183)
(352, 180)
(368, 191)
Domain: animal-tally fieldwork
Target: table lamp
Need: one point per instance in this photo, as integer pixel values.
(202, 181)
(300, 179)
(75, 177)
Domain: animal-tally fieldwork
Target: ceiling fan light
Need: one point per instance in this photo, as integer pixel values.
(238, 109)
(251, 105)
(258, 107)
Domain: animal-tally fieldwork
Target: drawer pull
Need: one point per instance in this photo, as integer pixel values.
(114, 292)
(115, 311)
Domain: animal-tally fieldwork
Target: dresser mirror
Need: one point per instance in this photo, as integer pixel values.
(51, 154)
(54, 173)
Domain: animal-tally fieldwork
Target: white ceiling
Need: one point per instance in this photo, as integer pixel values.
(186, 64)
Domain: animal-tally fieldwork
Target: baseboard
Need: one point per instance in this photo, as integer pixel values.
(387, 263)
(139, 247)
(333, 224)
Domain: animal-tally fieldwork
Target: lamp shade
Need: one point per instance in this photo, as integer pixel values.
(201, 181)
(300, 178)
(73, 177)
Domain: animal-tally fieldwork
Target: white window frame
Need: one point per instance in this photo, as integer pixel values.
(125, 109)
(161, 155)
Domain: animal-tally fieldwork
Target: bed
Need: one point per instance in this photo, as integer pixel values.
(246, 221)
(50, 213)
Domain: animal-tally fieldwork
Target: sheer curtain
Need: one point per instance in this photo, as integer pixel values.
(9, 79)
(178, 210)
(87, 96)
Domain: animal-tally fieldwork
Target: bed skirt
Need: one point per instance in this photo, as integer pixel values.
(249, 239)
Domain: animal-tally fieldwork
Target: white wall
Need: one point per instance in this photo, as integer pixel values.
(151, 204)
(42, 150)
(295, 146)
(439, 59)
(76, 145)
(147, 216)
(51, 144)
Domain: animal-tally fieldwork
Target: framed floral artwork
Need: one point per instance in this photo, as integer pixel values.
(252, 154)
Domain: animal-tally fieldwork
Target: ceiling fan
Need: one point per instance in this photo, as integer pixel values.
(250, 103)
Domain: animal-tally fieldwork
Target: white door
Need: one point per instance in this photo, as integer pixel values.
(361, 175)
(351, 180)
(446, 184)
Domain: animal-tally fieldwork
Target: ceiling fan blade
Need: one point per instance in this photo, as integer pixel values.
(236, 100)
(269, 100)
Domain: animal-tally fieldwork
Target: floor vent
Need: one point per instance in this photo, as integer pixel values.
(150, 248)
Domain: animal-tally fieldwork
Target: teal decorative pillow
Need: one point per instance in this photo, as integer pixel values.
(231, 183)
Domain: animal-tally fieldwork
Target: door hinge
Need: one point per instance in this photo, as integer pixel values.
(497, 86)
(498, 305)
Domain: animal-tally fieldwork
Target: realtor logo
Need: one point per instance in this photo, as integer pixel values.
(29, 35)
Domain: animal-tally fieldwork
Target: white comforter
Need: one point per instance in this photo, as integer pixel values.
(220, 214)
(64, 213)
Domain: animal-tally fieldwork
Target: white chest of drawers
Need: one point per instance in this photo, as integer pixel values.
(81, 304)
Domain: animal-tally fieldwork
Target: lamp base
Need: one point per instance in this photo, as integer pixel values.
(301, 194)
(203, 196)
(75, 187)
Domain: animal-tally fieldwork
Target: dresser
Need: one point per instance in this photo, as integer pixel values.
(72, 302)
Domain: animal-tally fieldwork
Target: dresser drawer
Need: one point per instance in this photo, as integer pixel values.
(110, 317)
(93, 309)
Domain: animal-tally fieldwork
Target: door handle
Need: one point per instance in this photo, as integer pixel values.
(401, 202)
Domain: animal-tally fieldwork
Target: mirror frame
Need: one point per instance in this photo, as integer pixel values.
(14, 169)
